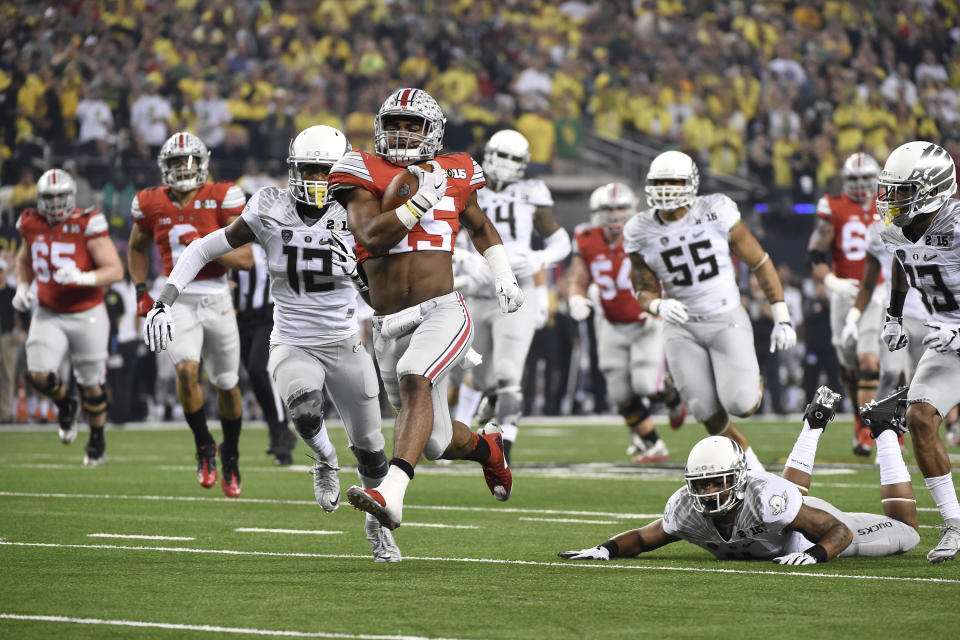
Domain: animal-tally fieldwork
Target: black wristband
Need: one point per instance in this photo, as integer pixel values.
(896, 303)
(818, 553)
(612, 547)
(141, 289)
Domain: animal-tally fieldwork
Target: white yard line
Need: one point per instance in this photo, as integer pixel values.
(315, 532)
(530, 563)
(212, 628)
(570, 520)
(136, 537)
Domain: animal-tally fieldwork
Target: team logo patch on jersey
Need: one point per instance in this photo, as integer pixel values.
(664, 240)
(779, 503)
(457, 173)
(286, 235)
(901, 255)
(937, 241)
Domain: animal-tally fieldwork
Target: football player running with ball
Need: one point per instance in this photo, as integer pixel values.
(421, 328)
(740, 514)
(914, 198)
(69, 253)
(683, 245)
(173, 216)
(315, 342)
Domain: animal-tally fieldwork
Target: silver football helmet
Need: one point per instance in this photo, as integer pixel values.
(860, 173)
(194, 173)
(56, 195)
(716, 462)
(505, 158)
(917, 178)
(317, 145)
(673, 166)
(612, 205)
(406, 147)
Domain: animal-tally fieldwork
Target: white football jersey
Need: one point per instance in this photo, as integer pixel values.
(511, 211)
(932, 263)
(691, 256)
(913, 306)
(315, 302)
(770, 504)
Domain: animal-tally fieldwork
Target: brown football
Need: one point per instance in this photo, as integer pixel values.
(401, 189)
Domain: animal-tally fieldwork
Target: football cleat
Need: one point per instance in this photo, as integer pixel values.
(382, 544)
(326, 484)
(207, 465)
(948, 546)
(823, 408)
(678, 414)
(373, 502)
(68, 421)
(282, 446)
(656, 453)
(95, 452)
(637, 445)
(230, 480)
(887, 413)
(496, 471)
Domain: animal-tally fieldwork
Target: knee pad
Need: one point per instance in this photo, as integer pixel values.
(94, 405)
(306, 412)
(635, 410)
(50, 386)
(225, 381)
(371, 464)
(509, 405)
(868, 379)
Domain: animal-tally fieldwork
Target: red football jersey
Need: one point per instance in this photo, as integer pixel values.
(850, 220)
(437, 229)
(54, 247)
(610, 269)
(173, 227)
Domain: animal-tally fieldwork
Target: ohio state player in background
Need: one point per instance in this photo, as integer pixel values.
(68, 251)
(629, 341)
(841, 232)
(186, 208)
(421, 328)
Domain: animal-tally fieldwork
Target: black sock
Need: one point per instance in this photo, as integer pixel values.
(96, 433)
(198, 425)
(404, 466)
(481, 452)
(650, 438)
(64, 404)
(231, 433)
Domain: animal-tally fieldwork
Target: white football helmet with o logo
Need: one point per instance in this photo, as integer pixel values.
(406, 147)
(860, 173)
(505, 158)
(611, 206)
(317, 145)
(716, 475)
(194, 173)
(672, 166)
(917, 178)
(56, 195)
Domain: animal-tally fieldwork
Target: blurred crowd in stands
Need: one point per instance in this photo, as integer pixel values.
(775, 91)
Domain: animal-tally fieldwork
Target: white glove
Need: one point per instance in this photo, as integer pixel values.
(341, 254)
(851, 330)
(842, 286)
(432, 187)
(942, 338)
(158, 327)
(672, 311)
(71, 274)
(782, 337)
(509, 293)
(796, 558)
(579, 307)
(892, 334)
(590, 553)
(22, 299)
(543, 306)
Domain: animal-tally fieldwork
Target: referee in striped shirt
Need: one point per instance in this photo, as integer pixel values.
(251, 299)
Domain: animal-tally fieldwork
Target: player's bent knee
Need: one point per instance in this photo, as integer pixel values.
(435, 447)
(94, 401)
(46, 382)
(225, 381)
(306, 412)
(635, 410)
(371, 464)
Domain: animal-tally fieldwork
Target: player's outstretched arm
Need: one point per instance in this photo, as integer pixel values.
(138, 264)
(628, 544)
(868, 283)
(241, 257)
(555, 238)
(746, 246)
(487, 241)
(22, 298)
(892, 333)
(817, 249)
(579, 279)
(107, 266)
(646, 288)
(831, 536)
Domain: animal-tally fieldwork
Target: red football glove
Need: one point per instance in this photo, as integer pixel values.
(144, 301)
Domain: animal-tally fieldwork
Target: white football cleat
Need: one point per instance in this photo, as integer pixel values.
(948, 546)
(326, 484)
(656, 453)
(382, 544)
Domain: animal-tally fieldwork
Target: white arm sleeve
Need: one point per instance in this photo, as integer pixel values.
(196, 255)
(556, 246)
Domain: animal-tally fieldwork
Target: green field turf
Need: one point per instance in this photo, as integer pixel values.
(473, 567)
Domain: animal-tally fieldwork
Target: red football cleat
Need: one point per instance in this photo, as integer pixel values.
(230, 481)
(495, 469)
(678, 415)
(207, 465)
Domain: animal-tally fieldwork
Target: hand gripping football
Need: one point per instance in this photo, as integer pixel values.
(403, 186)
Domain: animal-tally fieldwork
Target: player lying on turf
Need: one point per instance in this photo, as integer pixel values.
(744, 515)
